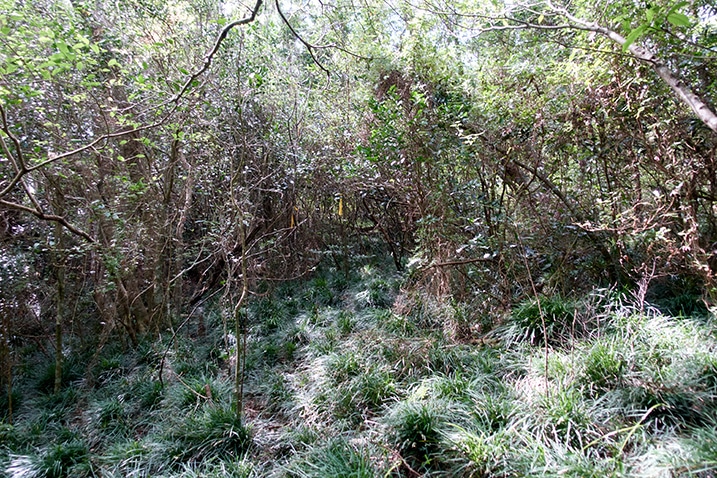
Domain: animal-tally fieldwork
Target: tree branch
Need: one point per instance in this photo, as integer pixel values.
(310, 48)
(20, 165)
(683, 92)
(213, 51)
(48, 217)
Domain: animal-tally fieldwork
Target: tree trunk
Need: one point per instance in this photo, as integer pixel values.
(60, 276)
(6, 360)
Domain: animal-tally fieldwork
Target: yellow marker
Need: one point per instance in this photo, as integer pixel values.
(341, 206)
(293, 223)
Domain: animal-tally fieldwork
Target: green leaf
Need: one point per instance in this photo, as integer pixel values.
(634, 35)
(678, 19)
(62, 46)
(113, 62)
(651, 13)
(677, 6)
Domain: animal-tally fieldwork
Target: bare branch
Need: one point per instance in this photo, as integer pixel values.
(309, 47)
(459, 262)
(48, 217)
(213, 51)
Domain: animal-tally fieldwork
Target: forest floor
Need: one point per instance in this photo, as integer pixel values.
(339, 384)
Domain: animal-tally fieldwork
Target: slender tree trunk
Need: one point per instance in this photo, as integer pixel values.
(60, 276)
(240, 327)
(6, 361)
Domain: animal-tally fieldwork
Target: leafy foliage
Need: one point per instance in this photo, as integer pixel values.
(354, 240)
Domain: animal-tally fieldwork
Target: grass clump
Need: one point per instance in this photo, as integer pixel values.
(702, 446)
(537, 320)
(128, 458)
(16, 398)
(568, 418)
(339, 385)
(604, 369)
(337, 459)
(414, 429)
(477, 453)
(66, 459)
(211, 432)
(71, 372)
(356, 387)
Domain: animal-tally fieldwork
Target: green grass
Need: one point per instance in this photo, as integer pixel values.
(338, 458)
(340, 383)
(59, 460)
(211, 432)
(536, 321)
(414, 429)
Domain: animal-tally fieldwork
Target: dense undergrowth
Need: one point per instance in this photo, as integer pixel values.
(340, 385)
